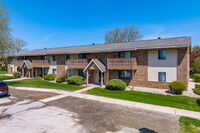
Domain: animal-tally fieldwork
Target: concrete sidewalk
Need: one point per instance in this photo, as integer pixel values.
(9, 80)
(144, 106)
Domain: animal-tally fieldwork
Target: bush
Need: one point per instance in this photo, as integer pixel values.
(197, 89)
(196, 77)
(177, 86)
(198, 102)
(17, 74)
(49, 77)
(60, 79)
(116, 84)
(78, 80)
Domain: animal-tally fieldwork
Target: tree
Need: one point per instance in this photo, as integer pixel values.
(5, 36)
(18, 45)
(8, 44)
(127, 34)
(194, 54)
(196, 65)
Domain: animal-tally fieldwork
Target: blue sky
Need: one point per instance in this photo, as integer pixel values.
(61, 23)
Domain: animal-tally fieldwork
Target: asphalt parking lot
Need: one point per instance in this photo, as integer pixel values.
(26, 113)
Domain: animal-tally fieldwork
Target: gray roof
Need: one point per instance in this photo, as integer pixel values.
(27, 63)
(98, 63)
(114, 47)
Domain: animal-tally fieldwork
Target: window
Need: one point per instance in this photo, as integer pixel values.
(54, 58)
(161, 76)
(162, 54)
(81, 56)
(2, 84)
(54, 71)
(18, 69)
(11, 59)
(11, 69)
(44, 57)
(67, 57)
(124, 75)
(124, 55)
(45, 71)
(81, 73)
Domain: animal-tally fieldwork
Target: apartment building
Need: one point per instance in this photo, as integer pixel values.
(147, 63)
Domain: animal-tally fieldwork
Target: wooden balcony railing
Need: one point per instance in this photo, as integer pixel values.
(122, 63)
(77, 63)
(40, 63)
(18, 63)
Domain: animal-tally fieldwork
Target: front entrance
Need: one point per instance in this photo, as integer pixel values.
(95, 71)
(94, 76)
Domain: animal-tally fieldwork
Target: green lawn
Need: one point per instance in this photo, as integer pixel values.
(3, 72)
(44, 84)
(182, 102)
(6, 77)
(189, 125)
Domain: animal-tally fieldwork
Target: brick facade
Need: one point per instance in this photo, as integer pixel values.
(9, 69)
(183, 65)
(139, 77)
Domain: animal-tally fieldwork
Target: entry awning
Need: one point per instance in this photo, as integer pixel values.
(99, 64)
(27, 63)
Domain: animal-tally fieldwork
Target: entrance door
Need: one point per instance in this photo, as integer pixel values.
(25, 71)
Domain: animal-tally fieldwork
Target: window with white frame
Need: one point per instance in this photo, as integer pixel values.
(162, 76)
(162, 54)
(54, 71)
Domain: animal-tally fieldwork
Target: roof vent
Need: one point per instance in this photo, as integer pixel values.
(93, 43)
(159, 37)
(45, 48)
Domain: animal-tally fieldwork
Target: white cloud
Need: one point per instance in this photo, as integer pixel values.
(186, 26)
(45, 38)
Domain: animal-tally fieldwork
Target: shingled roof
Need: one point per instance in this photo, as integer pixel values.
(114, 47)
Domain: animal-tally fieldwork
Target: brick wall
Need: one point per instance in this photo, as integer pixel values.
(61, 65)
(9, 69)
(183, 65)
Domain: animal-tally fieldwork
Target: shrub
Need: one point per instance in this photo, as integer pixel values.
(17, 74)
(49, 77)
(78, 80)
(197, 89)
(196, 65)
(198, 101)
(60, 79)
(177, 86)
(196, 77)
(116, 84)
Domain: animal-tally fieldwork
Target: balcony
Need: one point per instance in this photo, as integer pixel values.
(41, 63)
(122, 63)
(77, 63)
(35, 63)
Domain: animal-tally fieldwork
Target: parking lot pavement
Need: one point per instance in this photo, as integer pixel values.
(98, 117)
(20, 95)
(28, 114)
